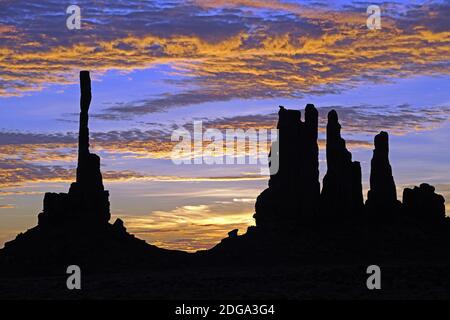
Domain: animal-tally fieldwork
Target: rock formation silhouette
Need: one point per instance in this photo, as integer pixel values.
(293, 195)
(310, 165)
(382, 196)
(423, 204)
(293, 192)
(296, 225)
(342, 189)
(87, 201)
(73, 227)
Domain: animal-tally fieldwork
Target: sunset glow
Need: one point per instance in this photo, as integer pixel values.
(157, 66)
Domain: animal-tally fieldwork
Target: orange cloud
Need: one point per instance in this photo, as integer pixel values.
(6, 206)
(335, 51)
(190, 228)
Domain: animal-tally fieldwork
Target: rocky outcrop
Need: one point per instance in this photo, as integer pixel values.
(382, 196)
(342, 190)
(423, 204)
(233, 233)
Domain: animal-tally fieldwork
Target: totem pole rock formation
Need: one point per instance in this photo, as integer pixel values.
(342, 188)
(74, 227)
(87, 200)
(382, 196)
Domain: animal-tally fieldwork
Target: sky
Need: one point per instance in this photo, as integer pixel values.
(158, 66)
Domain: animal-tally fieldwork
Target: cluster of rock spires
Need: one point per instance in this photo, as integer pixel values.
(74, 226)
(294, 192)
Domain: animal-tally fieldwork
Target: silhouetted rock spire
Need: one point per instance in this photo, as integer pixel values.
(342, 190)
(73, 227)
(382, 196)
(87, 200)
(310, 165)
(88, 169)
(289, 130)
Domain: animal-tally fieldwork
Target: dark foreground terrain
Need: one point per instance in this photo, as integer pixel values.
(320, 264)
(415, 281)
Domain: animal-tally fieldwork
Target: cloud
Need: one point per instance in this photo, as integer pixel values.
(399, 120)
(7, 206)
(443, 187)
(39, 155)
(15, 138)
(192, 227)
(16, 172)
(359, 119)
(62, 147)
(221, 50)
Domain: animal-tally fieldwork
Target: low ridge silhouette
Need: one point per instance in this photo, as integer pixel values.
(296, 220)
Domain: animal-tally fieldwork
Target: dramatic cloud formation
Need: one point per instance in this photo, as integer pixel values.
(221, 49)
